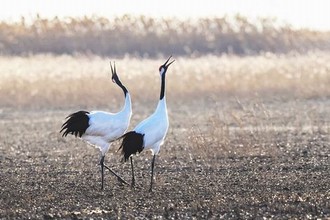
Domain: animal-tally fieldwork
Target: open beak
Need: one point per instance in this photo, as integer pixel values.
(111, 68)
(113, 71)
(167, 65)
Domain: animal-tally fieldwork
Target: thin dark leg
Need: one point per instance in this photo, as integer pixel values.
(102, 171)
(152, 172)
(133, 177)
(115, 174)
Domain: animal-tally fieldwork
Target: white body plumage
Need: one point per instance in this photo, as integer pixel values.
(105, 127)
(154, 128)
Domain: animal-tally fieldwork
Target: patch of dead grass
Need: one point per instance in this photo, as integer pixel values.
(69, 81)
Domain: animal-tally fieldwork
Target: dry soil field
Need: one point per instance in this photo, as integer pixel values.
(248, 138)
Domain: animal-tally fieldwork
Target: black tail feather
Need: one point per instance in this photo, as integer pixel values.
(76, 124)
(132, 144)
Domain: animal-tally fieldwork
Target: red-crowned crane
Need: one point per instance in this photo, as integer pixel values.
(151, 132)
(101, 128)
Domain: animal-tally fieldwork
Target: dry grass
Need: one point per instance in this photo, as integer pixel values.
(147, 36)
(66, 81)
(234, 101)
(260, 128)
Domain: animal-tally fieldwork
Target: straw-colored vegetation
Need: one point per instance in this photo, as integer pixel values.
(66, 81)
(151, 37)
(219, 102)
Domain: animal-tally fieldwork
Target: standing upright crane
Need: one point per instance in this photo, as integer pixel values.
(101, 128)
(151, 132)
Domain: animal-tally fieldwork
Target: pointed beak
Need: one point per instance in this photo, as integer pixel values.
(113, 71)
(167, 65)
(111, 68)
(114, 68)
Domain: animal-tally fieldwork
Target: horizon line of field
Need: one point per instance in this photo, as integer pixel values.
(232, 128)
(276, 128)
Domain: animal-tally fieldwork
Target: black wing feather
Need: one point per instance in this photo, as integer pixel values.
(76, 124)
(132, 143)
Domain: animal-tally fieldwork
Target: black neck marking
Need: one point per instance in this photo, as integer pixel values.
(162, 89)
(123, 88)
(121, 85)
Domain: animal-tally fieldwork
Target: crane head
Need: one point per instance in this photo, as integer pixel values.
(115, 77)
(163, 68)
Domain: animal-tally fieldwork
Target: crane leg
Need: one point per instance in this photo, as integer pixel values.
(113, 173)
(152, 172)
(102, 171)
(116, 175)
(133, 176)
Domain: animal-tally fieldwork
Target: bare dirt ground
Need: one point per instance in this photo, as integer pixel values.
(212, 165)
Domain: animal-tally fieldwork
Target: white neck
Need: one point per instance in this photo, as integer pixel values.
(161, 107)
(128, 105)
